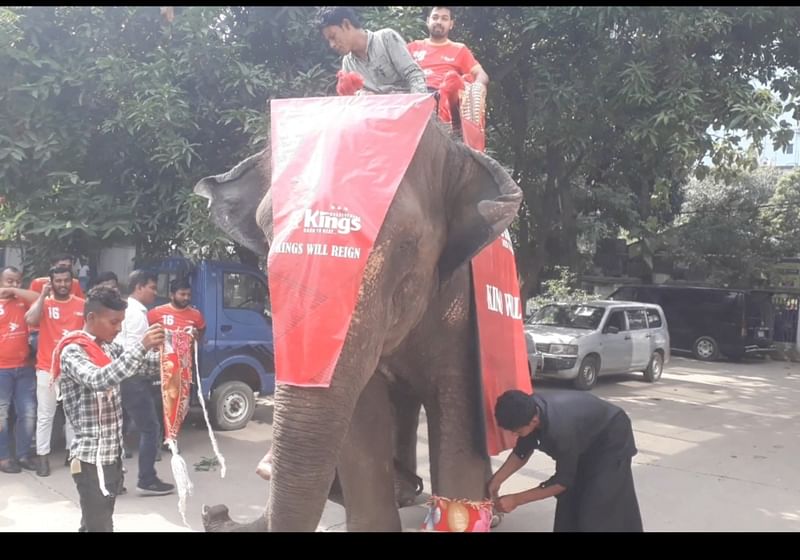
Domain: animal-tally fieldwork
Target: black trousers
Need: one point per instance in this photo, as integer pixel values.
(603, 497)
(96, 509)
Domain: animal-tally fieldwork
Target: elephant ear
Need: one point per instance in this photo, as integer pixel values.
(233, 198)
(481, 200)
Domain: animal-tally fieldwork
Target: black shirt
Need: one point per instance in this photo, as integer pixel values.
(575, 425)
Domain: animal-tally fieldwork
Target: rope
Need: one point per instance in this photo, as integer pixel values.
(181, 474)
(213, 439)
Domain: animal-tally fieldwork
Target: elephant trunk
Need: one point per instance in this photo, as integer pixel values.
(216, 519)
(309, 429)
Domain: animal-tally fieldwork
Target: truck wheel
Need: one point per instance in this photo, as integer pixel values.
(705, 348)
(232, 405)
(587, 374)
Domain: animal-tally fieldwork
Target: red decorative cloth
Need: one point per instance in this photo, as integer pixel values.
(458, 516)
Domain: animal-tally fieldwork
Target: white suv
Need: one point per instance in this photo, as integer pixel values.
(586, 340)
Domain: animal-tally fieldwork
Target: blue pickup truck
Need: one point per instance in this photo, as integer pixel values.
(236, 357)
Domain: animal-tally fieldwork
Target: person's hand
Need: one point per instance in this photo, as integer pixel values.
(153, 337)
(47, 289)
(191, 331)
(493, 487)
(264, 467)
(7, 293)
(506, 504)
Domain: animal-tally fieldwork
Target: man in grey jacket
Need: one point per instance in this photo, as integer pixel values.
(381, 57)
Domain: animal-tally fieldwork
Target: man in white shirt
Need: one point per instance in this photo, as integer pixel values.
(137, 393)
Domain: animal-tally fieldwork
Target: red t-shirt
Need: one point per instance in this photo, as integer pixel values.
(58, 318)
(37, 284)
(14, 349)
(438, 60)
(175, 319)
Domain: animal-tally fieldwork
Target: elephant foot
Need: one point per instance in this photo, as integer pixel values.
(497, 518)
(216, 519)
(407, 486)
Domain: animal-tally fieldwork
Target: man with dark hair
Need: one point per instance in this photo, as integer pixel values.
(137, 394)
(91, 368)
(107, 278)
(17, 376)
(592, 444)
(380, 57)
(178, 314)
(54, 316)
(59, 261)
(437, 55)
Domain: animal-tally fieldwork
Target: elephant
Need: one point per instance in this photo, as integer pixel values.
(412, 343)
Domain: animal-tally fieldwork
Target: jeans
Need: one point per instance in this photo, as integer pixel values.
(138, 403)
(47, 401)
(97, 510)
(18, 386)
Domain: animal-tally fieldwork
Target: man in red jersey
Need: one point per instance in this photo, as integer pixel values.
(17, 377)
(54, 316)
(178, 314)
(438, 55)
(59, 261)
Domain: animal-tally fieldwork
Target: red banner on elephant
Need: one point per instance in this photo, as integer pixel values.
(501, 340)
(336, 165)
(503, 355)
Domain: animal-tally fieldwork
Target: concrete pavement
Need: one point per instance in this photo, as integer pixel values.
(719, 450)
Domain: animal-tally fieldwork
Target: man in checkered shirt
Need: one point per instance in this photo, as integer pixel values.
(91, 369)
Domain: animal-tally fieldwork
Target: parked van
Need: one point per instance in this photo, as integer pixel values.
(711, 322)
(583, 341)
(236, 358)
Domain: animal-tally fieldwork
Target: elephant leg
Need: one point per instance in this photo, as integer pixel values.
(460, 467)
(366, 466)
(405, 407)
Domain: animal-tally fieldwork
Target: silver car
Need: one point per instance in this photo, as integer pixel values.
(583, 341)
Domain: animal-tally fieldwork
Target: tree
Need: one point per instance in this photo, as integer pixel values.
(722, 227)
(110, 115)
(781, 217)
(605, 111)
(601, 113)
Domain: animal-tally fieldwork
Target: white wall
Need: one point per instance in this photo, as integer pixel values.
(119, 260)
(12, 256)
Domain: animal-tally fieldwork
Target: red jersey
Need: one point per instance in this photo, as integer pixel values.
(58, 318)
(14, 349)
(438, 60)
(175, 319)
(37, 284)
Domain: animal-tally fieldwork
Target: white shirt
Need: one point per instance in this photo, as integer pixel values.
(134, 326)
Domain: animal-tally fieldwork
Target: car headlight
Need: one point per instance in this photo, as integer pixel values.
(563, 349)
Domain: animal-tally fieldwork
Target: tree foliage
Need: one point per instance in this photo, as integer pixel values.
(723, 230)
(109, 115)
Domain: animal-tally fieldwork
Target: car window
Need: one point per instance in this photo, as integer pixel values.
(653, 319)
(617, 319)
(571, 316)
(636, 319)
(243, 291)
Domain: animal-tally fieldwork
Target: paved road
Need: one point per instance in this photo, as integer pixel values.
(719, 451)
